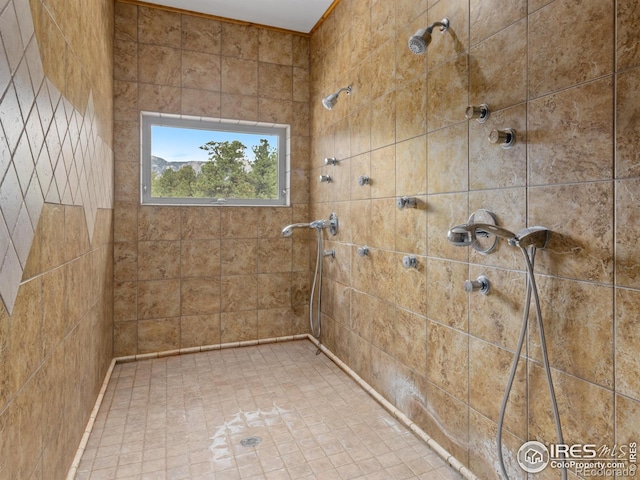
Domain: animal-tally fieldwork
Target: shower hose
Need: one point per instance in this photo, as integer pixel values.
(316, 326)
(529, 258)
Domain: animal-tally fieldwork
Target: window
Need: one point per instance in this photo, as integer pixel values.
(193, 160)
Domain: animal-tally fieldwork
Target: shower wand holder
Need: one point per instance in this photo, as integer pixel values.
(484, 243)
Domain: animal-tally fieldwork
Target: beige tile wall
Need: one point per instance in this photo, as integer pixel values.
(56, 193)
(566, 80)
(190, 276)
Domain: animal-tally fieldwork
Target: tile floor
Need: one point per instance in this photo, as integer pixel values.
(185, 417)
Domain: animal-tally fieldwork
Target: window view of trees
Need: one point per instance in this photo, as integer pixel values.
(228, 173)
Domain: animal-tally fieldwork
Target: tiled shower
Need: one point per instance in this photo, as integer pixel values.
(88, 274)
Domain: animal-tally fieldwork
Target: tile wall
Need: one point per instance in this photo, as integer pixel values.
(564, 74)
(191, 276)
(56, 193)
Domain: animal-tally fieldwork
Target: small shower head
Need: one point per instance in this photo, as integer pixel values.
(419, 42)
(330, 100)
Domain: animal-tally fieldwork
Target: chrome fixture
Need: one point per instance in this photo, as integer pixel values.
(409, 261)
(325, 178)
(480, 113)
(363, 180)
(329, 253)
(422, 38)
(363, 251)
(318, 226)
(528, 240)
(330, 100)
(481, 283)
(406, 202)
(331, 161)
(505, 138)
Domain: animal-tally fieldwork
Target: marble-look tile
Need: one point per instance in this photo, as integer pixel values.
(581, 244)
(275, 47)
(448, 359)
(125, 60)
(489, 369)
(53, 297)
(126, 142)
(576, 310)
(410, 341)
(301, 50)
(499, 62)
(158, 223)
(496, 318)
(447, 85)
(158, 335)
(199, 223)
(561, 53)
(274, 255)
(383, 69)
(159, 27)
(158, 260)
(125, 261)
(626, 357)
(448, 159)
(239, 41)
(239, 257)
(627, 38)
(125, 101)
(201, 103)
(627, 214)
(411, 108)
(239, 106)
(274, 322)
(382, 324)
(580, 419)
(571, 135)
(160, 98)
(125, 301)
(627, 420)
(159, 65)
(491, 166)
(158, 299)
(483, 448)
(199, 258)
(360, 166)
(383, 214)
(238, 326)
(447, 300)
(411, 284)
(199, 330)
(408, 64)
(126, 21)
(198, 296)
(411, 167)
(239, 76)
(627, 129)
(488, 18)
(201, 71)
(201, 34)
(239, 292)
(126, 182)
(383, 121)
(448, 421)
(360, 131)
(274, 290)
(383, 172)
(411, 228)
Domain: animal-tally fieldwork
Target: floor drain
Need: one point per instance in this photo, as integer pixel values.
(250, 441)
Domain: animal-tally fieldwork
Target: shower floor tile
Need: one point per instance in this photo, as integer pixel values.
(275, 411)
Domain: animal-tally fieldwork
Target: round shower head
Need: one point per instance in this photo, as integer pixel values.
(420, 41)
(329, 101)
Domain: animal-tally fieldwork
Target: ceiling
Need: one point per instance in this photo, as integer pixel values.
(296, 15)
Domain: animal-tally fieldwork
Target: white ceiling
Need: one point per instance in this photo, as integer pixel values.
(296, 15)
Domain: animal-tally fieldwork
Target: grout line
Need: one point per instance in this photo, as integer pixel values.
(401, 417)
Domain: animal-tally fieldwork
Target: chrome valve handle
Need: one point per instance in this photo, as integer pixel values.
(482, 284)
(363, 180)
(505, 138)
(331, 161)
(480, 113)
(406, 202)
(363, 251)
(325, 178)
(409, 261)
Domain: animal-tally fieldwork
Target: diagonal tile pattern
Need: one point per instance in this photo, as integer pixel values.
(49, 150)
(186, 417)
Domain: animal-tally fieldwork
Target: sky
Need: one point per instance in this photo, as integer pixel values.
(183, 144)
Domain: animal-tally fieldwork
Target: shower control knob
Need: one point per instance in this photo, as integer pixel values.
(331, 161)
(406, 202)
(480, 113)
(363, 251)
(505, 138)
(482, 284)
(409, 261)
(363, 180)
(325, 178)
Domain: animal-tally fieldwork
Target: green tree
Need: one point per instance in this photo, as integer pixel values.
(224, 175)
(264, 175)
(174, 183)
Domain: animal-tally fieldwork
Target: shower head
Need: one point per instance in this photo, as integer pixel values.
(288, 230)
(465, 235)
(330, 100)
(419, 42)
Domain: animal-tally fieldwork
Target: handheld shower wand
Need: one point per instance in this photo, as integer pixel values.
(420, 40)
